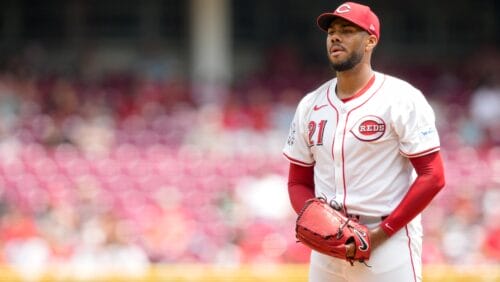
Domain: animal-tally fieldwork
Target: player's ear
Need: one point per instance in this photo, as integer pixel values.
(371, 42)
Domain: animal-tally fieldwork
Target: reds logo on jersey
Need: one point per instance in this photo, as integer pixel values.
(369, 128)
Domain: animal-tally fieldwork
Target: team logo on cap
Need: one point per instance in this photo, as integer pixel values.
(344, 8)
(369, 128)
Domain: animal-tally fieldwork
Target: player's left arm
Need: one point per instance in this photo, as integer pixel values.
(429, 182)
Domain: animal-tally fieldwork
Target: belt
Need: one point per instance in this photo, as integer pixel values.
(363, 219)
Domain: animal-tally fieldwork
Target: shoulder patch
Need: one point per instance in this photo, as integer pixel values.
(291, 135)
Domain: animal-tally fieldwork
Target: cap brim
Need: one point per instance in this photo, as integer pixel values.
(324, 20)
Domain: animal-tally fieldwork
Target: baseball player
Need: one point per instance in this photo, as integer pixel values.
(367, 143)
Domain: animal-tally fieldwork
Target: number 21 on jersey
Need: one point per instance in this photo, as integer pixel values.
(319, 128)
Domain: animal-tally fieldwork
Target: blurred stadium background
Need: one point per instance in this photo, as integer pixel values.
(141, 140)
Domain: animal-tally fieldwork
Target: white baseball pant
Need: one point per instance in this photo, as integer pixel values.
(397, 259)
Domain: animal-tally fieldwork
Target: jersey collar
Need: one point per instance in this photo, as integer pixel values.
(360, 97)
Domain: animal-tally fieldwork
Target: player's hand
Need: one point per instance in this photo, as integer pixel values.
(350, 250)
(377, 237)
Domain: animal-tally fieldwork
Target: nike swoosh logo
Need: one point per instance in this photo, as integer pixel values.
(316, 107)
(388, 226)
(364, 244)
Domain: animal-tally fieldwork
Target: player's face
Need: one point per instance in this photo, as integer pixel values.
(345, 44)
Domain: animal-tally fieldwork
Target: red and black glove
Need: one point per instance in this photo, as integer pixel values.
(328, 231)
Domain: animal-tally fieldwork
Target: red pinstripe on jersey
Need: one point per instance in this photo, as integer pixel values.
(295, 161)
(336, 120)
(423, 153)
(343, 140)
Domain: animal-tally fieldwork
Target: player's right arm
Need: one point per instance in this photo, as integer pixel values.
(296, 150)
(300, 185)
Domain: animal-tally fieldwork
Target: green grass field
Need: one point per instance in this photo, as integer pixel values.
(268, 273)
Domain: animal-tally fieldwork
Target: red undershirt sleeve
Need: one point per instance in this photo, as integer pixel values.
(429, 182)
(300, 185)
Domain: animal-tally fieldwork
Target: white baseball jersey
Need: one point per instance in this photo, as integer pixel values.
(360, 148)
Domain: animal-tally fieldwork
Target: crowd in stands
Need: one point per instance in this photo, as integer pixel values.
(128, 170)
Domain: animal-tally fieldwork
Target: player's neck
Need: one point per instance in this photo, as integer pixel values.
(351, 81)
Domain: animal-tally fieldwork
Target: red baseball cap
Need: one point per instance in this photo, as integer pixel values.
(358, 14)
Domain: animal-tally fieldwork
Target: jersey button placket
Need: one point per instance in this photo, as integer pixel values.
(337, 153)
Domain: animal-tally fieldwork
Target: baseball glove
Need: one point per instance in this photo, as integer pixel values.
(326, 230)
